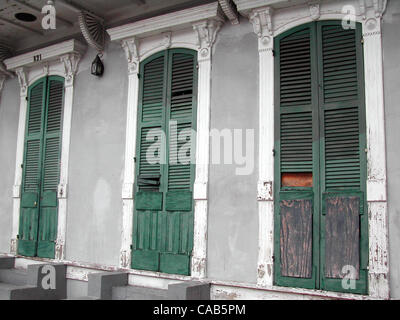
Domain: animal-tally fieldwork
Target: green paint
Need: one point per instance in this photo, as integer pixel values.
(41, 169)
(321, 128)
(163, 217)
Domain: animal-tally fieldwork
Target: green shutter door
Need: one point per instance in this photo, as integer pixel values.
(39, 204)
(320, 226)
(297, 151)
(343, 160)
(163, 219)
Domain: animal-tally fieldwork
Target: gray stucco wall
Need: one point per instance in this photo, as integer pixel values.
(233, 214)
(9, 115)
(391, 56)
(94, 220)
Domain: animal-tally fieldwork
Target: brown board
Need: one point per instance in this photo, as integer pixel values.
(296, 238)
(342, 236)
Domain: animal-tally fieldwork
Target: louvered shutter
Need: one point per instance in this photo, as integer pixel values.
(29, 216)
(343, 158)
(320, 167)
(163, 219)
(150, 162)
(178, 223)
(51, 168)
(295, 154)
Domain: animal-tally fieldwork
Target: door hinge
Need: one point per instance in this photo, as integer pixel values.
(197, 66)
(26, 98)
(362, 40)
(22, 166)
(273, 258)
(131, 247)
(138, 75)
(17, 236)
(273, 152)
(273, 53)
(134, 159)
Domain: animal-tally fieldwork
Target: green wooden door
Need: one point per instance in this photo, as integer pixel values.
(41, 169)
(320, 227)
(165, 167)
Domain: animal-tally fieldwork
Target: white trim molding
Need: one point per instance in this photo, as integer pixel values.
(196, 29)
(61, 59)
(273, 17)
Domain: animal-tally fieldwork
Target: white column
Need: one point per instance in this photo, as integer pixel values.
(376, 154)
(262, 23)
(70, 63)
(207, 32)
(22, 78)
(130, 47)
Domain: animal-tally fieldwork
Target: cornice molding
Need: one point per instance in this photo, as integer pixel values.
(167, 22)
(45, 55)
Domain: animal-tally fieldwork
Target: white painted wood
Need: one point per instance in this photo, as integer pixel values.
(139, 41)
(270, 20)
(47, 54)
(261, 20)
(168, 22)
(62, 60)
(131, 50)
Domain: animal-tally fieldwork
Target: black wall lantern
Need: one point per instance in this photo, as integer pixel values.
(97, 67)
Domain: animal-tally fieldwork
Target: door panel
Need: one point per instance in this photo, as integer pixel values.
(163, 218)
(41, 168)
(320, 117)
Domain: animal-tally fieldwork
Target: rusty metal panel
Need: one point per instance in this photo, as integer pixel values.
(296, 238)
(342, 235)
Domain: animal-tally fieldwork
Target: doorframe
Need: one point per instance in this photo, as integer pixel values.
(62, 60)
(196, 29)
(269, 23)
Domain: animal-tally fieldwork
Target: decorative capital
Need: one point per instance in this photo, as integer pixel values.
(262, 24)
(131, 49)
(23, 81)
(207, 31)
(372, 12)
(71, 62)
(372, 9)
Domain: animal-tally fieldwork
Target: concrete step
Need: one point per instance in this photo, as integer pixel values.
(138, 293)
(14, 276)
(7, 262)
(38, 282)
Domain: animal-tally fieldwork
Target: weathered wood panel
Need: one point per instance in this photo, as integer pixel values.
(342, 235)
(296, 238)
